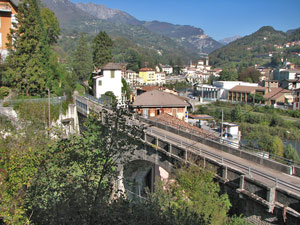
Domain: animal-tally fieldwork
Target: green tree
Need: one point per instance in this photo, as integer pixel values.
(133, 60)
(236, 113)
(229, 74)
(290, 153)
(277, 146)
(74, 183)
(126, 89)
(28, 62)
(195, 193)
(249, 75)
(51, 25)
(102, 49)
(271, 144)
(82, 62)
(20, 155)
(275, 61)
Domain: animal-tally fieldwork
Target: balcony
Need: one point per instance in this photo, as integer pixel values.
(5, 8)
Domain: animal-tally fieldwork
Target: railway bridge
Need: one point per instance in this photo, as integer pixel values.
(264, 190)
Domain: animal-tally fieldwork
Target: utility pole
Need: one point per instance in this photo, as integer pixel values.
(49, 107)
(222, 127)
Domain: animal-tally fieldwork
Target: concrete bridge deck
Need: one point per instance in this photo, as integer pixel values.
(268, 176)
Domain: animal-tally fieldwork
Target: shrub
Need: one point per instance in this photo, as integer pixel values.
(4, 91)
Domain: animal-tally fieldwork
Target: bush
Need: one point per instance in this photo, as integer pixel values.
(290, 153)
(4, 91)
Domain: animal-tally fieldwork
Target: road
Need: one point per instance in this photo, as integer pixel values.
(258, 172)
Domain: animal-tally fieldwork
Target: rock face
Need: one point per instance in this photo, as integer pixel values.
(227, 40)
(104, 13)
(189, 36)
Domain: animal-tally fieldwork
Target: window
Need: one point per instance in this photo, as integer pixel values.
(99, 82)
(112, 74)
(0, 39)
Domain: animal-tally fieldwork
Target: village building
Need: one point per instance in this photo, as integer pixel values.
(285, 74)
(167, 69)
(131, 77)
(156, 102)
(143, 89)
(160, 78)
(225, 86)
(270, 83)
(8, 12)
(272, 96)
(148, 76)
(109, 78)
(296, 102)
(290, 84)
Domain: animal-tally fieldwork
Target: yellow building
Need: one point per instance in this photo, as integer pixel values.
(8, 11)
(148, 75)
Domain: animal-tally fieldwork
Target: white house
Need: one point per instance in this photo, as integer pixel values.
(131, 77)
(160, 78)
(167, 69)
(108, 78)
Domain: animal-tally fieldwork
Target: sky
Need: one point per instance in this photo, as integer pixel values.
(218, 18)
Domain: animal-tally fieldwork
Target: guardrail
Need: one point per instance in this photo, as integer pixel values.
(257, 152)
(222, 159)
(105, 101)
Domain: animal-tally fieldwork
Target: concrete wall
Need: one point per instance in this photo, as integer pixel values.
(296, 171)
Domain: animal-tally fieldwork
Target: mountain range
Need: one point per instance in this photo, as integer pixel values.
(160, 36)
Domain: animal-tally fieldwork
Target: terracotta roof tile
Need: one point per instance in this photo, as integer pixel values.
(247, 89)
(276, 93)
(180, 124)
(156, 98)
(146, 69)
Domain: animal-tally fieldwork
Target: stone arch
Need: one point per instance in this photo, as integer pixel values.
(139, 176)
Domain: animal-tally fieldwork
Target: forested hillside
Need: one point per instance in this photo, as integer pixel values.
(255, 48)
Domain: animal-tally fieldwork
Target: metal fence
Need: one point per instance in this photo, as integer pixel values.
(104, 100)
(53, 100)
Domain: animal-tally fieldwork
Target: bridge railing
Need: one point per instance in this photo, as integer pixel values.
(257, 152)
(221, 159)
(104, 101)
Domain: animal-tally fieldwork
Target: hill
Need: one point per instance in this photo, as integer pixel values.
(249, 50)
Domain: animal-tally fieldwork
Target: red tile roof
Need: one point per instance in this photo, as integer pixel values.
(276, 93)
(156, 98)
(180, 124)
(247, 89)
(146, 69)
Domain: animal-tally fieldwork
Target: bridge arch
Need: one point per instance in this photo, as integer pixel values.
(138, 175)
